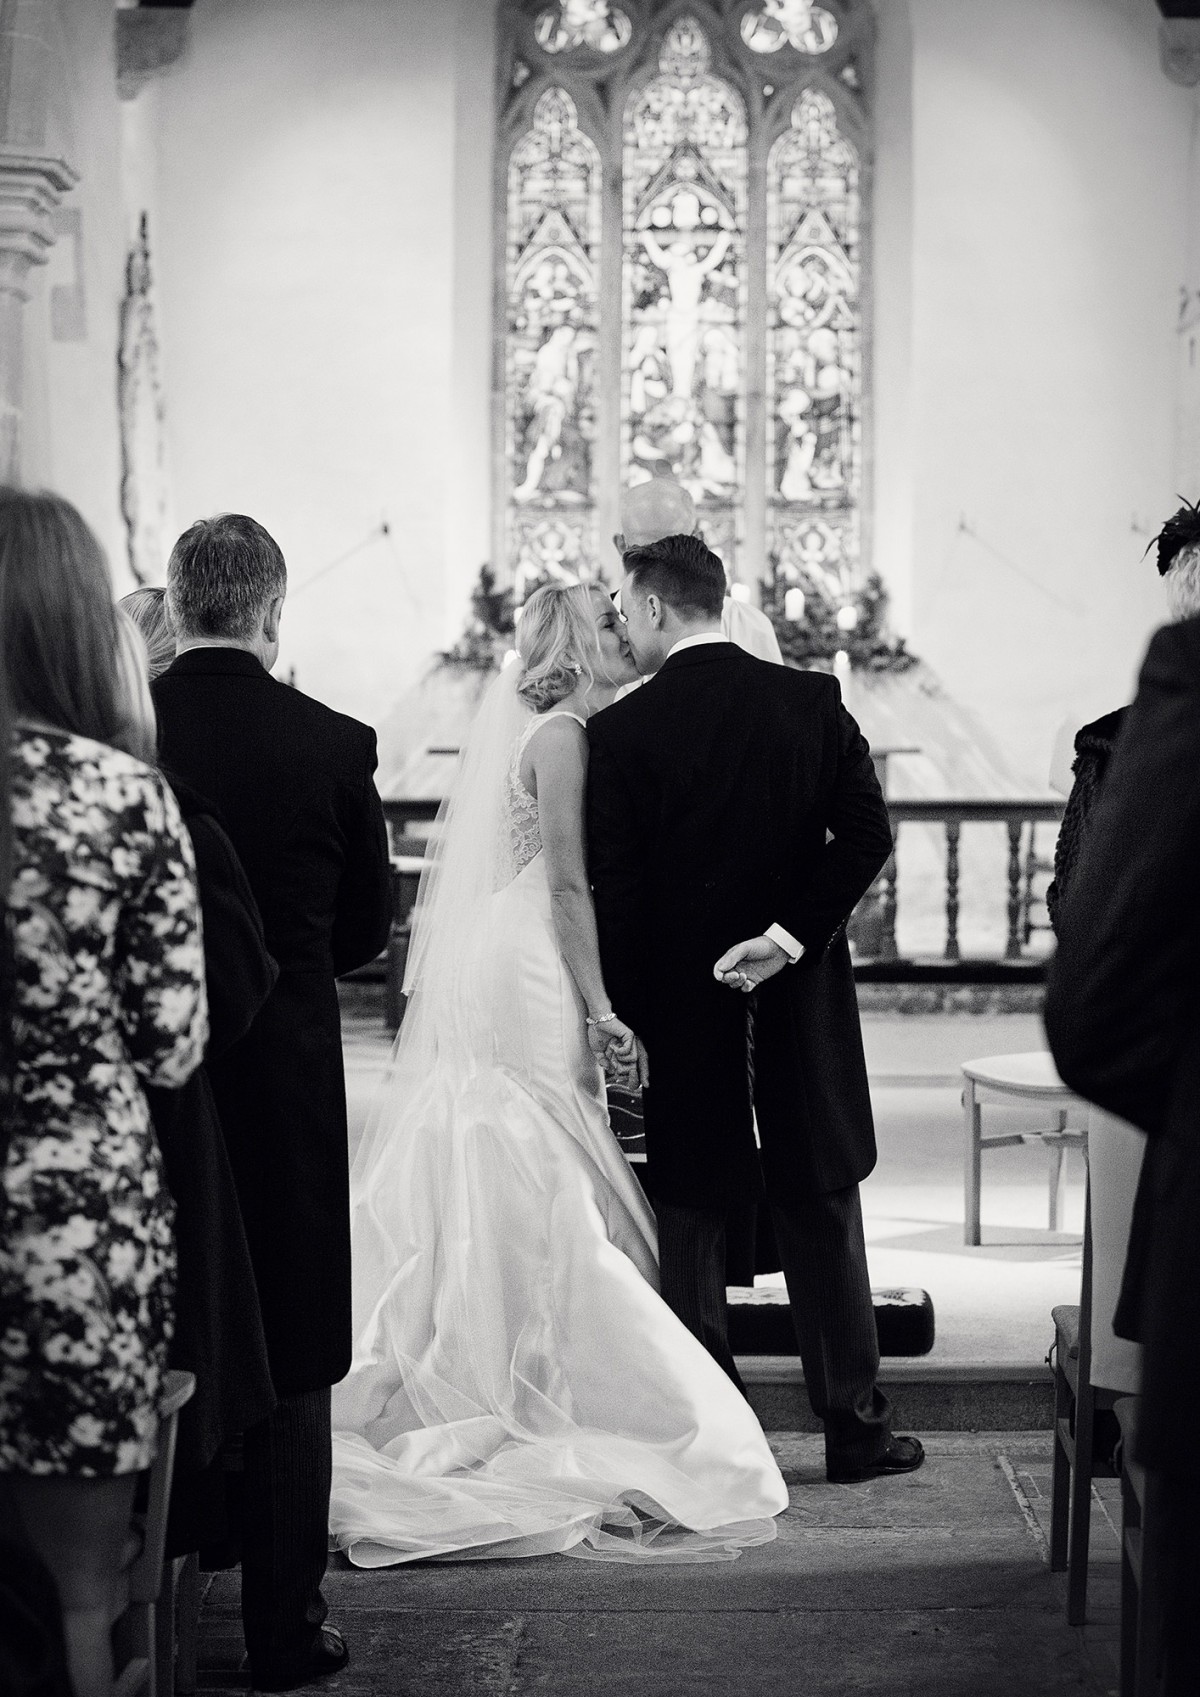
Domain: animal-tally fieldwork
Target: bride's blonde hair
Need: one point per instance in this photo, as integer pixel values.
(556, 639)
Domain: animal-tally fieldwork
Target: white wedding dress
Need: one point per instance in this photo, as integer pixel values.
(518, 1385)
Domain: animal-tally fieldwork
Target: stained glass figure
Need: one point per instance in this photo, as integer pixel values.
(814, 348)
(685, 173)
(801, 24)
(553, 246)
(582, 23)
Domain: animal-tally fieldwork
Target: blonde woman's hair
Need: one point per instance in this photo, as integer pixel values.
(147, 607)
(556, 639)
(137, 733)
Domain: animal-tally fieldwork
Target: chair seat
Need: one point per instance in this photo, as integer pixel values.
(1031, 1074)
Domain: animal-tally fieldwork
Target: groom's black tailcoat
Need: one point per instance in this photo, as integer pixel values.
(726, 795)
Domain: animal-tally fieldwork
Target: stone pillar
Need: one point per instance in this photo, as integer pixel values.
(31, 186)
(32, 182)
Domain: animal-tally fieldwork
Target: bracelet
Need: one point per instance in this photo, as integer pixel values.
(604, 1018)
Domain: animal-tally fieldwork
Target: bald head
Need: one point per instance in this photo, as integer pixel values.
(650, 511)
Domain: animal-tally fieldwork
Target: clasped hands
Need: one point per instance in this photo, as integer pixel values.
(621, 1053)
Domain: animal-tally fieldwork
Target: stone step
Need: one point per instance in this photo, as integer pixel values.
(926, 1396)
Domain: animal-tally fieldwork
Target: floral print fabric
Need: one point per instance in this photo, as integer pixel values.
(109, 995)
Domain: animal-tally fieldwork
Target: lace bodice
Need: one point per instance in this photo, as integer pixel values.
(520, 808)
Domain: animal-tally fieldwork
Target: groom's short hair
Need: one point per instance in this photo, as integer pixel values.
(682, 571)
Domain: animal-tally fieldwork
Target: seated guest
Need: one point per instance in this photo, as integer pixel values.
(660, 508)
(294, 785)
(1121, 1016)
(109, 997)
(218, 1323)
(147, 607)
(1115, 1148)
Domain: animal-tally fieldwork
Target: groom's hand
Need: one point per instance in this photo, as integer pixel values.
(747, 965)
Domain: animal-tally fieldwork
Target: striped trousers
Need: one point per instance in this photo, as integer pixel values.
(285, 1532)
(824, 1256)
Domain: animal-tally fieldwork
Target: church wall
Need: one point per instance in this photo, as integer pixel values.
(69, 433)
(1049, 212)
(324, 259)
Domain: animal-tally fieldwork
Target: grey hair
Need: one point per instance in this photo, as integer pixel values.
(223, 574)
(1182, 579)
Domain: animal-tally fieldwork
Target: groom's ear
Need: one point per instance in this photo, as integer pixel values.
(619, 543)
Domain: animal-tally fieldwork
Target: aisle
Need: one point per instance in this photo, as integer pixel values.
(932, 1585)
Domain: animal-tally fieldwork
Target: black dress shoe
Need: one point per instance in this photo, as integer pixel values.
(903, 1455)
(328, 1655)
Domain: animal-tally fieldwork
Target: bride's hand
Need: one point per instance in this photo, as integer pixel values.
(616, 1047)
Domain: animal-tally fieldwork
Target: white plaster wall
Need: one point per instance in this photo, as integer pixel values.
(70, 427)
(327, 296)
(1050, 204)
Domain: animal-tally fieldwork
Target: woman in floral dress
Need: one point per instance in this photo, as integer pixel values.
(108, 996)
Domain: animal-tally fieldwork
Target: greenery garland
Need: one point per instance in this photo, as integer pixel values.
(812, 640)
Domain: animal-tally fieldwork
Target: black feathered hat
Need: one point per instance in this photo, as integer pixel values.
(1182, 530)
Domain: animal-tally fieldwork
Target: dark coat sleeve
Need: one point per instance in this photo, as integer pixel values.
(856, 851)
(616, 859)
(1124, 989)
(240, 972)
(364, 906)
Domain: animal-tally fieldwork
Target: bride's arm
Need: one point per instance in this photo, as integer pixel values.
(558, 769)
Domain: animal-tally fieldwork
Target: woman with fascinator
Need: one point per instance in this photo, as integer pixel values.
(518, 1385)
(1115, 1148)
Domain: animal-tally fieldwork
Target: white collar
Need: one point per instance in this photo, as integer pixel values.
(695, 641)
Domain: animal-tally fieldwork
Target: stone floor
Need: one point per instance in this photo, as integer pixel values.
(932, 1585)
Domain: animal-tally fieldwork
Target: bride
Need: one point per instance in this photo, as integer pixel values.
(518, 1386)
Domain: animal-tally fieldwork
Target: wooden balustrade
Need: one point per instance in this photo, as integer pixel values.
(877, 942)
(874, 928)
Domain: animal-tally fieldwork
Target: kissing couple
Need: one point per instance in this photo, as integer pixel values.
(660, 883)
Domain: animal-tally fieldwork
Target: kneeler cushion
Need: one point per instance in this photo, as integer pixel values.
(760, 1321)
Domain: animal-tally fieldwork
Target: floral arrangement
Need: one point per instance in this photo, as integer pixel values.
(814, 625)
(491, 624)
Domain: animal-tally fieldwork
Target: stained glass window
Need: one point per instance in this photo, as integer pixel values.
(790, 23)
(684, 196)
(582, 23)
(814, 347)
(683, 372)
(553, 241)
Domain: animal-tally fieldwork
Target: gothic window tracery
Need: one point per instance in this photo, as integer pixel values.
(685, 278)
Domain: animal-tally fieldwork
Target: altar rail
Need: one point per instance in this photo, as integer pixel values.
(874, 927)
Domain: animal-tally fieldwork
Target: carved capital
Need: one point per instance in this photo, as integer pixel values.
(31, 186)
(1179, 50)
(150, 39)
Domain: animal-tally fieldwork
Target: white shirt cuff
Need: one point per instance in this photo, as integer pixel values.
(791, 948)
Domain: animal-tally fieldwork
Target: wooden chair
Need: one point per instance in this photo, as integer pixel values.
(134, 1630)
(1074, 1467)
(1012, 1079)
(1141, 1610)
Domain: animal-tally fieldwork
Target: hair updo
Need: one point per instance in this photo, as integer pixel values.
(1178, 560)
(556, 639)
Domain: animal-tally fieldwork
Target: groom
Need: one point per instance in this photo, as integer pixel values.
(734, 820)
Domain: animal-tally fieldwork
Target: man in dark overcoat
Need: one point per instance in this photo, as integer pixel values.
(294, 783)
(734, 820)
(1123, 1018)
